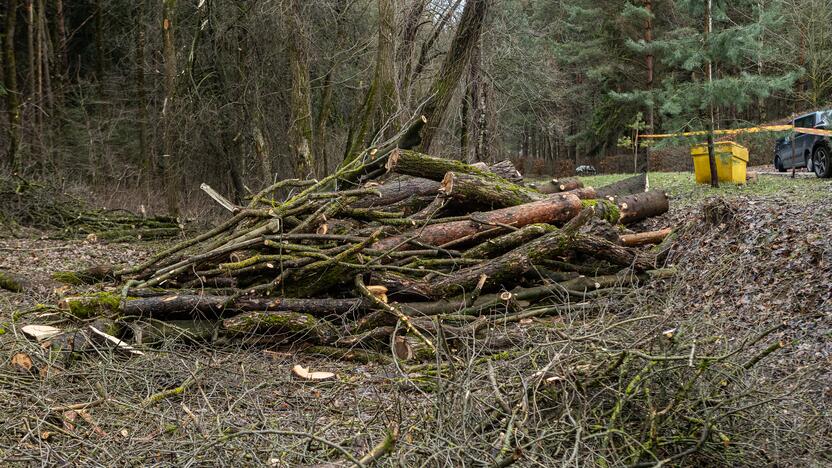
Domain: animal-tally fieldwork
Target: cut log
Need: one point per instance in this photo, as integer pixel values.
(173, 306)
(510, 267)
(555, 209)
(422, 165)
(504, 169)
(645, 238)
(291, 325)
(641, 206)
(404, 187)
(499, 245)
(473, 190)
(397, 189)
(631, 185)
(558, 185)
(408, 348)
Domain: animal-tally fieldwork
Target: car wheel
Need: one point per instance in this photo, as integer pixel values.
(821, 162)
(778, 164)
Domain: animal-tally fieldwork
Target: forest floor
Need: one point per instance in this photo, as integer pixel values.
(767, 261)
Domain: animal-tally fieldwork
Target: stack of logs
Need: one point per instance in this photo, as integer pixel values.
(396, 250)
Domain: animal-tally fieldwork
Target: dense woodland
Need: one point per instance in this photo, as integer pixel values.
(139, 95)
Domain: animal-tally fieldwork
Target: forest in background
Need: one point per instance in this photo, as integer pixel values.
(141, 96)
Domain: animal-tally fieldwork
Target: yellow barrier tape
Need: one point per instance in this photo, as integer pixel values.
(736, 131)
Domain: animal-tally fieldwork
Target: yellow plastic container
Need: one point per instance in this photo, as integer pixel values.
(730, 157)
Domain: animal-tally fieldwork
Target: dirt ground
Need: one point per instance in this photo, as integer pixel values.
(753, 264)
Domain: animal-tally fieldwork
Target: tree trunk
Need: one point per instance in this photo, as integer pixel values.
(300, 129)
(417, 164)
(644, 238)
(45, 56)
(291, 325)
(510, 267)
(631, 185)
(557, 208)
(465, 39)
(490, 192)
(711, 157)
(380, 100)
(60, 31)
(639, 206)
(406, 45)
(99, 37)
(559, 185)
(10, 83)
(167, 160)
(141, 92)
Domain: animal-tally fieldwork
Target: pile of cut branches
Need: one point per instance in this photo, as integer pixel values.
(43, 206)
(395, 250)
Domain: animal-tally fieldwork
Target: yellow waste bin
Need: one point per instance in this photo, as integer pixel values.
(730, 157)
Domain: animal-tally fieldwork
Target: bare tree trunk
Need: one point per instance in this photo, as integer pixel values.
(711, 157)
(141, 92)
(10, 83)
(477, 98)
(166, 163)
(407, 43)
(30, 48)
(648, 39)
(46, 45)
(466, 37)
(380, 100)
(99, 39)
(300, 130)
(60, 30)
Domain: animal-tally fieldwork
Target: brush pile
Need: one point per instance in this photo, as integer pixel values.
(395, 247)
(43, 206)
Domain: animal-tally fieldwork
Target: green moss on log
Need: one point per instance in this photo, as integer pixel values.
(102, 303)
(10, 283)
(604, 209)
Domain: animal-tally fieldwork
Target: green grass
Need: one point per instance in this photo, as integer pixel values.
(682, 187)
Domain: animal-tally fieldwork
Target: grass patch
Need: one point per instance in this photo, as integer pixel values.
(685, 191)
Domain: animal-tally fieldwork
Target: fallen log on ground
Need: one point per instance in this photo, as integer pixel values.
(558, 185)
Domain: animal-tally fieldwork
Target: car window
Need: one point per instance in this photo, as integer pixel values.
(805, 122)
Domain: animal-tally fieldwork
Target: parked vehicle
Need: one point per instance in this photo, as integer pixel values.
(585, 170)
(803, 150)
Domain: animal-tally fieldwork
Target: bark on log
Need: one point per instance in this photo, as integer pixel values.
(502, 244)
(504, 169)
(644, 238)
(293, 325)
(403, 187)
(555, 209)
(641, 206)
(197, 306)
(559, 185)
(429, 167)
(476, 190)
(631, 185)
(408, 348)
(508, 268)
